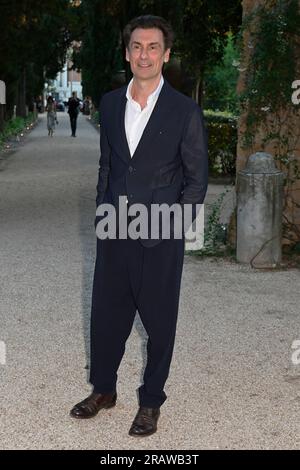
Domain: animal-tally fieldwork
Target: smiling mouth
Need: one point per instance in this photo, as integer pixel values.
(144, 66)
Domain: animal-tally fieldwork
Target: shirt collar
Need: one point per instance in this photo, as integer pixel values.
(151, 97)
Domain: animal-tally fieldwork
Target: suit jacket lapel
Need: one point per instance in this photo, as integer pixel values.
(121, 125)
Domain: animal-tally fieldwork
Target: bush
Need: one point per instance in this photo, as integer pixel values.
(15, 126)
(95, 117)
(222, 142)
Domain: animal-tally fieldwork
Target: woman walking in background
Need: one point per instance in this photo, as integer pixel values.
(51, 115)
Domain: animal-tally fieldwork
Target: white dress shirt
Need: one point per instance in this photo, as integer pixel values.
(136, 118)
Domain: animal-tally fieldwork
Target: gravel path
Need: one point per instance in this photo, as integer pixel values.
(232, 383)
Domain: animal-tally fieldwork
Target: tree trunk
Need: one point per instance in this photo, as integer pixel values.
(199, 91)
(1, 116)
(21, 96)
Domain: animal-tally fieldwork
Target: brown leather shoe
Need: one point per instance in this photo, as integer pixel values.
(92, 404)
(145, 422)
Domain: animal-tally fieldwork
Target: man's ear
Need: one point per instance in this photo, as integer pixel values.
(167, 55)
(127, 54)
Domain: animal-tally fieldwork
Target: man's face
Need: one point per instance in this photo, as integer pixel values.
(146, 53)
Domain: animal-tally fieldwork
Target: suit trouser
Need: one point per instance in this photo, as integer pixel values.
(130, 277)
(73, 122)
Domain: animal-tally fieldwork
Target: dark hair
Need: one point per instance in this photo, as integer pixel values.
(148, 22)
(50, 99)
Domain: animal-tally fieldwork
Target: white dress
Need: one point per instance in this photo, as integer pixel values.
(51, 116)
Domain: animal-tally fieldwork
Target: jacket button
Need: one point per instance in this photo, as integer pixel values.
(131, 169)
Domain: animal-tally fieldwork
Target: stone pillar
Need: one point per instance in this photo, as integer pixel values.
(259, 212)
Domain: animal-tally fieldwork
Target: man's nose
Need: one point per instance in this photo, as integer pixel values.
(144, 54)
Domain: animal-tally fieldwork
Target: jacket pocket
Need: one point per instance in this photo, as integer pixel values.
(167, 175)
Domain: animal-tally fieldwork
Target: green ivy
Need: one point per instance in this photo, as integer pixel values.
(215, 233)
(273, 30)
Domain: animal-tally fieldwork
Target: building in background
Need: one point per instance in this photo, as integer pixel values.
(66, 82)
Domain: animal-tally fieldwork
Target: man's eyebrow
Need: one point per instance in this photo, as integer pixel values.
(150, 43)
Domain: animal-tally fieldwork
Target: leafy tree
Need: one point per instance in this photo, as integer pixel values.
(201, 28)
(35, 38)
(99, 55)
(202, 35)
(220, 81)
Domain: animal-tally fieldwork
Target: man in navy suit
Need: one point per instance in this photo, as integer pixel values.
(153, 151)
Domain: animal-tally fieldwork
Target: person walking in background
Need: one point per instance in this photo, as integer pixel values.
(73, 111)
(51, 115)
(86, 106)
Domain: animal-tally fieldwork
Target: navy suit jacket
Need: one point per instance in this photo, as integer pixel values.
(170, 163)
